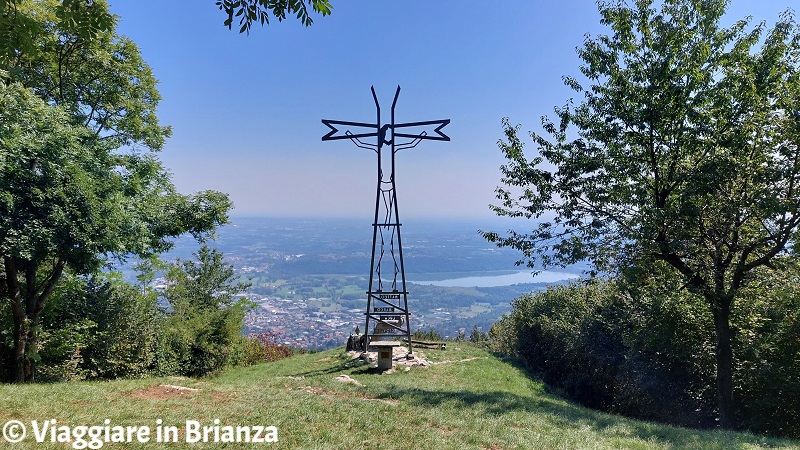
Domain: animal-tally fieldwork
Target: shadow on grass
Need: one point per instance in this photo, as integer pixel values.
(661, 432)
(565, 416)
(342, 365)
(557, 411)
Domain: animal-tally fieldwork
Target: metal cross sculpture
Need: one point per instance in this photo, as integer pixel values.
(387, 297)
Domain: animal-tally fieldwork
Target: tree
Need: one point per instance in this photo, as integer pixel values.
(250, 11)
(476, 336)
(205, 321)
(98, 76)
(210, 282)
(684, 150)
(80, 184)
(19, 28)
(87, 18)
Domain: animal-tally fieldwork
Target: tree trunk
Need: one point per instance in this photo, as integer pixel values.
(26, 311)
(20, 341)
(14, 297)
(32, 344)
(724, 358)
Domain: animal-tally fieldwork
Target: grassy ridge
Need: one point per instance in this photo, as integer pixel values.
(468, 400)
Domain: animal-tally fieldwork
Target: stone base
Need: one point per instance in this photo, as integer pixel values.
(385, 352)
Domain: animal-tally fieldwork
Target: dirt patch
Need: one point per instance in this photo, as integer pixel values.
(163, 392)
(221, 397)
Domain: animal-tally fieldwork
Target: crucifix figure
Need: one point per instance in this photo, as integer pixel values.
(387, 297)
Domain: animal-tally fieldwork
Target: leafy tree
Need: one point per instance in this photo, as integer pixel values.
(19, 27)
(684, 150)
(476, 336)
(205, 321)
(209, 282)
(79, 182)
(101, 80)
(249, 11)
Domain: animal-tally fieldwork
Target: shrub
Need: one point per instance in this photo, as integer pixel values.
(637, 346)
(98, 328)
(427, 335)
(669, 369)
(767, 344)
(204, 327)
(557, 336)
(263, 347)
(202, 341)
(477, 336)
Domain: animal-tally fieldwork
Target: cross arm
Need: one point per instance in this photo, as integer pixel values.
(332, 124)
(440, 136)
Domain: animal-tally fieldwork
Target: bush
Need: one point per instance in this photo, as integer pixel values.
(204, 325)
(669, 368)
(556, 335)
(767, 345)
(201, 342)
(639, 346)
(61, 358)
(427, 335)
(98, 328)
(477, 336)
(263, 347)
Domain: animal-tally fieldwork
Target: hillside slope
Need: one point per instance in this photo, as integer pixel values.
(468, 399)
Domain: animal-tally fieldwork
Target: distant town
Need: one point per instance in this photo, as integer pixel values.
(309, 277)
(299, 327)
(300, 324)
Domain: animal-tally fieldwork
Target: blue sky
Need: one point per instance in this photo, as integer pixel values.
(246, 110)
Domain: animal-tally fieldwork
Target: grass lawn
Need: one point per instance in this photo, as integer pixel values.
(467, 400)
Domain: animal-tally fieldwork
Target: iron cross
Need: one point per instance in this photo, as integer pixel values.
(380, 131)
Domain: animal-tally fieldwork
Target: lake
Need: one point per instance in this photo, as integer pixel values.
(507, 279)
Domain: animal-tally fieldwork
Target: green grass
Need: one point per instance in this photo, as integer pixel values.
(352, 289)
(469, 400)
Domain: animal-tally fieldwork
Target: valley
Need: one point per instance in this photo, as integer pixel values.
(309, 276)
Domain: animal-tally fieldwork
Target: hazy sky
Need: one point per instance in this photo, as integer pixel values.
(246, 110)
